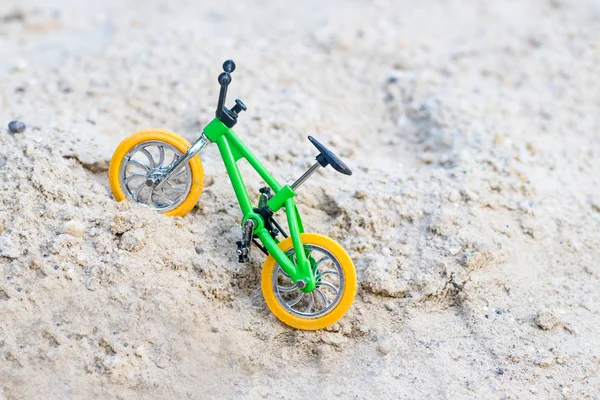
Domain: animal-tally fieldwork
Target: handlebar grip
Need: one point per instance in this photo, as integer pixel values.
(229, 66)
(224, 79)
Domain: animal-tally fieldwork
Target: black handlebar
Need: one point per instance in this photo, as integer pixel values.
(228, 117)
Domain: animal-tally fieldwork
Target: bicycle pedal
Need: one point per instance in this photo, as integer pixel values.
(243, 252)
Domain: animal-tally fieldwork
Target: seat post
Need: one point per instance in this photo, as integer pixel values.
(306, 175)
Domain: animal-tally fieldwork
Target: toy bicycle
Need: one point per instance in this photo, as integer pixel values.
(308, 280)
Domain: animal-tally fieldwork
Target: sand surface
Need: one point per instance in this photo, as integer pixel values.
(473, 216)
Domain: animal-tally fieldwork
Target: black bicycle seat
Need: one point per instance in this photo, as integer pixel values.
(326, 157)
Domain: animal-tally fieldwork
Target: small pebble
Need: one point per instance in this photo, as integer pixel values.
(8, 248)
(544, 362)
(73, 228)
(360, 194)
(384, 347)
(199, 249)
(389, 307)
(19, 289)
(133, 240)
(140, 352)
(533, 390)
(16, 126)
(70, 274)
(454, 196)
(546, 320)
(56, 267)
(426, 158)
(498, 139)
(500, 371)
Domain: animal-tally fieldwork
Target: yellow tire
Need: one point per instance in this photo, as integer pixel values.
(277, 287)
(186, 194)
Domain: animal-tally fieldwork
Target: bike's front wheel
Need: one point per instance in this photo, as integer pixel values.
(335, 285)
(147, 154)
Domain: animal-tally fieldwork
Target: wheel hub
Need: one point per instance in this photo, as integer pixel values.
(154, 178)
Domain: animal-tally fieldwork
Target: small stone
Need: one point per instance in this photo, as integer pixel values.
(385, 347)
(16, 127)
(73, 228)
(498, 139)
(70, 274)
(533, 390)
(546, 320)
(378, 279)
(454, 196)
(333, 328)
(334, 339)
(389, 307)
(140, 351)
(426, 158)
(472, 196)
(199, 249)
(544, 362)
(7, 248)
(500, 371)
(360, 194)
(125, 221)
(133, 240)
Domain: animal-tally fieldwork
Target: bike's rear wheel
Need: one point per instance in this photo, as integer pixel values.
(335, 286)
(147, 153)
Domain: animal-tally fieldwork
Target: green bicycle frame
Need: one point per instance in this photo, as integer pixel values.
(232, 149)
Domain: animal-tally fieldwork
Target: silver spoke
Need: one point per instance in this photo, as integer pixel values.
(328, 272)
(287, 289)
(149, 156)
(161, 155)
(137, 192)
(152, 196)
(329, 285)
(139, 164)
(311, 303)
(325, 302)
(296, 300)
(319, 263)
(134, 176)
(162, 191)
(178, 174)
(173, 187)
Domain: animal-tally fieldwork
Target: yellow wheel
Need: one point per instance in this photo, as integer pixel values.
(142, 158)
(334, 292)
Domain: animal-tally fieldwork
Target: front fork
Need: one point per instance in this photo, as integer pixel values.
(176, 164)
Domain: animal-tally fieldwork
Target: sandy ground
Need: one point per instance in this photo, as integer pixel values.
(473, 215)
